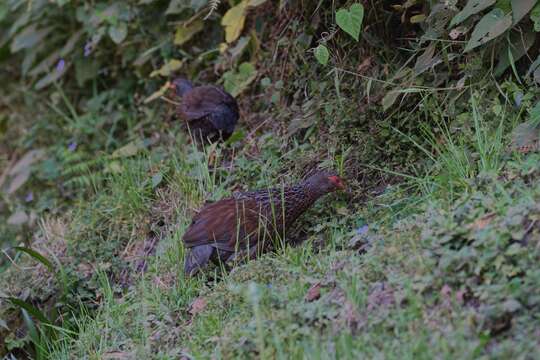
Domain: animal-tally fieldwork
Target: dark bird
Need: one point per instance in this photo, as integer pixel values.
(209, 111)
(247, 222)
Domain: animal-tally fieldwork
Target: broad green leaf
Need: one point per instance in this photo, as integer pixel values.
(237, 81)
(30, 56)
(50, 60)
(520, 8)
(18, 218)
(321, 54)
(536, 75)
(156, 180)
(534, 115)
(18, 180)
(185, 33)
(176, 7)
(28, 38)
(118, 33)
(70, 44)
(488, 28)
(237, 50)
(350, 20)
(128, 150)
(26, 161)
(534, 66)
(19, 23)
(51, 77)
(21, 171)
(518, 45)
(427, 60)
(45, 64)
(197, 5)
(255, 3)
(472, 7)
(535, 17)
(4, 8)
(168, 68)
(389, 99)
(233, 21)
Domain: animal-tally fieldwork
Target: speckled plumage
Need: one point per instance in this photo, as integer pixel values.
(209, 111)
(248, 220)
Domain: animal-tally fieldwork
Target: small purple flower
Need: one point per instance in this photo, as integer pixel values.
(87, 48)
(72, 146)
(29, 197)
(61, 65)
(362, 230)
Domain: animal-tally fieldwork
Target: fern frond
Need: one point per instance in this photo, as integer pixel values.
(212, 6)
(80, 171)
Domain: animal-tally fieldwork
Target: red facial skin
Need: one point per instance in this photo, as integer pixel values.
(337, 182)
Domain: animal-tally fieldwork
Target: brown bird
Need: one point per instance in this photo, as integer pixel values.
(248, 221)
(209, 111)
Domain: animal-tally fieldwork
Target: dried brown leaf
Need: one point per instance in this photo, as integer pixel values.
(481, 223)
(314, 292)
(197, 306)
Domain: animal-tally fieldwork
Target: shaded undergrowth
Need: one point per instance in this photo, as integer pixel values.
(433, 250)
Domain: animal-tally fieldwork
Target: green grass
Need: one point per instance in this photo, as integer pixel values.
(448, 267)
(434, 281)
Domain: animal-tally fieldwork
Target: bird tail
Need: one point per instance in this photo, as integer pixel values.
(197, 259)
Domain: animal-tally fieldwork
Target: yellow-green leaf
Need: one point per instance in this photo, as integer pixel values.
(237, 81)
(350, 20)
(322, 54)
(168, 68)
(233, 21)
(488, 28)
(389, 99)
(128, 150)
(158, 93)
(185, 33)
(254, 3)
(418, 18)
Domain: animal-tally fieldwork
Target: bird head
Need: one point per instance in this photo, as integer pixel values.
(326, 181)
(181, 86)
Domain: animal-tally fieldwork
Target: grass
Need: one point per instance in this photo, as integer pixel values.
(447, 264)
(435, 281)
(433, 251)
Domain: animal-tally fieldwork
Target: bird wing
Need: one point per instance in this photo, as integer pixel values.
(224, 118)
(204, 100)
(225, 224)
